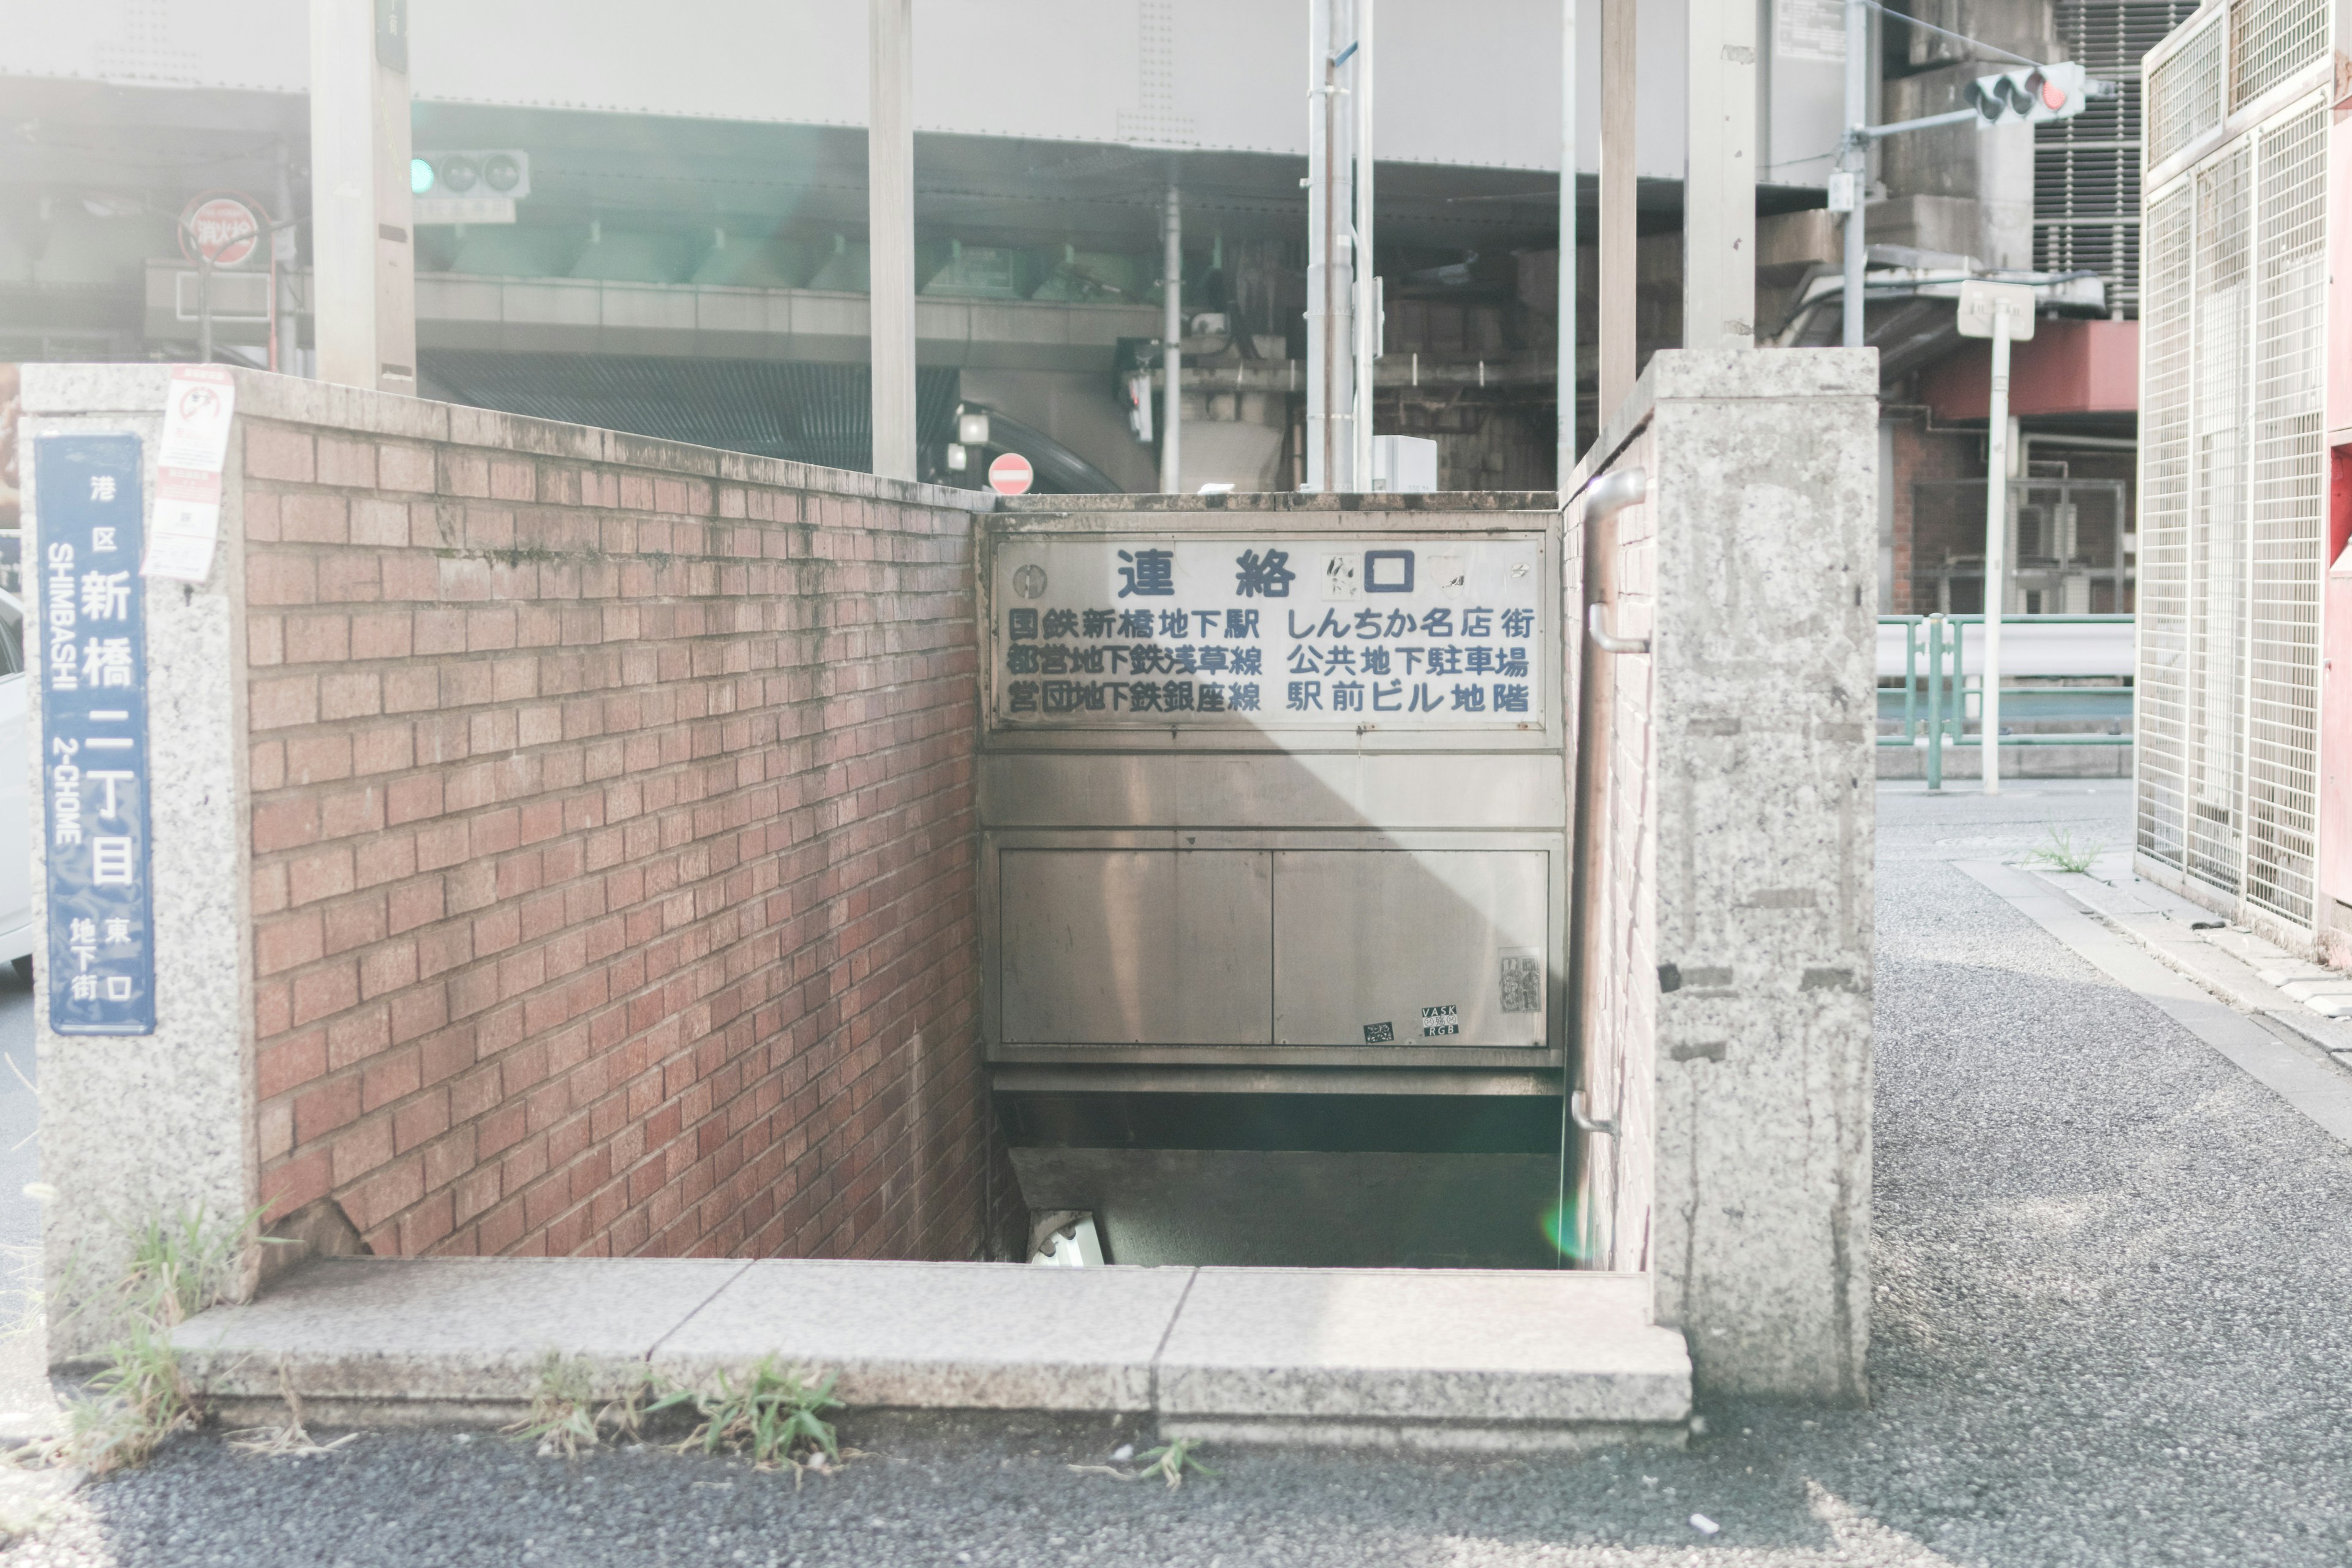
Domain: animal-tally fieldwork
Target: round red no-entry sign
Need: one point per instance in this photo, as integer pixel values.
(1011, 475)
(221, 228)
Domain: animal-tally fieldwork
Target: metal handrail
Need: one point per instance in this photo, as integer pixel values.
(1947, 684)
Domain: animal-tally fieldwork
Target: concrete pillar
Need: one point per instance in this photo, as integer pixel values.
(1719, 178)
(363, 260)
(890, 234)
(1617, 235)
(1729, 1034)
(143, 1128)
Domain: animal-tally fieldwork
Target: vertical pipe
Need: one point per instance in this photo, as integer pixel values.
(1719, 176)
(285, 332)
(1996, 595)
(1618, 347)
(1910, 680)
(1852, 158)
(1172, 353)
(1319, 252)
(1564, 460)
(891, 232)
(1367, 303)
(1935, 702)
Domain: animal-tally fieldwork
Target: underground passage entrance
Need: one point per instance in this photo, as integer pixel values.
(571, 856)
(1274, 876)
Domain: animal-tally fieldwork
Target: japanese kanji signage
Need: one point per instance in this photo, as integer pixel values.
(1269, 631)
(87, 645)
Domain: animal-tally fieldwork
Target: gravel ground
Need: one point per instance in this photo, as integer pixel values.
(2112, 1329)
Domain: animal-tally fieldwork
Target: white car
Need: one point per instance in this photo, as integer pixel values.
(17, 937)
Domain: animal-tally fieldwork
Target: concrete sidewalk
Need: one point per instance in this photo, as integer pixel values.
(1387, 1358)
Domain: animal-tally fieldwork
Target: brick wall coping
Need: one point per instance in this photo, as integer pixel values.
(83, 389)
(1440, 1358)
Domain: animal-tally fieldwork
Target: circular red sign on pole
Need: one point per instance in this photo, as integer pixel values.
(220, 227)
(1011, 475)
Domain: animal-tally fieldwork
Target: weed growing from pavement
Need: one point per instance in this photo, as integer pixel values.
(773, 1415)
(290, 1436)
(1168, 1461)
(2062, 854)
(141, 1395)
(565, 1414)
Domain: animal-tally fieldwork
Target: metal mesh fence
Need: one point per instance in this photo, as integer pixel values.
(2285, 540)
(2184, 95)
(2225, 294)
(2161, 719)
(2232, 517)
(2086, 169)
(2270, 40)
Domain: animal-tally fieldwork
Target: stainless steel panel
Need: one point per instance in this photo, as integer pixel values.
(1150, 1077)
(1136, 946)
(1367, 941)
(1045, 789)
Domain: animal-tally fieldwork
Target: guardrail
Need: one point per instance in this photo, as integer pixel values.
(1941, 641)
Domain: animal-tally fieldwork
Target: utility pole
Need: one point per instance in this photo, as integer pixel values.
(1171, 349)
(1719, 177)
(1367, 285)
(1564, 460)
(1852, 165)
(1618, 346)
(1330, 250)
(890, 233)
(363, 260)
(2001, 311)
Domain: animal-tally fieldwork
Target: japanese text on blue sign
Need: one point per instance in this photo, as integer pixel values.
(1359, 633)
(92, 662)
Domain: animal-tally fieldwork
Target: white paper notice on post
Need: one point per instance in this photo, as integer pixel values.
(185, 527)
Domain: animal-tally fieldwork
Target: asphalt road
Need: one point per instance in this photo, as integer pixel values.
(2111, 1329)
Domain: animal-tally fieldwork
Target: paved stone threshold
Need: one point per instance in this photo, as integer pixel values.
(1397, 1358)
(2209, 978)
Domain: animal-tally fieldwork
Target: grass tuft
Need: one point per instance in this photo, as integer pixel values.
(570, 1411)
(141, 1395)
(2062, 854)
(1169, 1461)
(774, 1416)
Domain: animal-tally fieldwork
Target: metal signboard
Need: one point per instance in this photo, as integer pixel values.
(221, 227)
(86, 643)
(1245, 630)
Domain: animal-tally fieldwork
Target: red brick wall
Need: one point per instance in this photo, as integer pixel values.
(613, 875)
(1920, 454)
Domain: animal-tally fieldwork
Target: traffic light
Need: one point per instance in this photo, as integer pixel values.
(2030, 94)
(492, 171)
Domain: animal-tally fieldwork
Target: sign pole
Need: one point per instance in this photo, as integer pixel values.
(1996, 591)
(1853, 167)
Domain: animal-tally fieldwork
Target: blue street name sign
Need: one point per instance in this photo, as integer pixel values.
(87, 644)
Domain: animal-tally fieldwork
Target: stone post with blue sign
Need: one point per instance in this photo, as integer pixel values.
(143, 1021)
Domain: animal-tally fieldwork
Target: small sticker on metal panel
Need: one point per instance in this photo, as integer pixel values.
(1522, 982)
(1379, 1034)
(1339, 577)
(1437, 1021)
